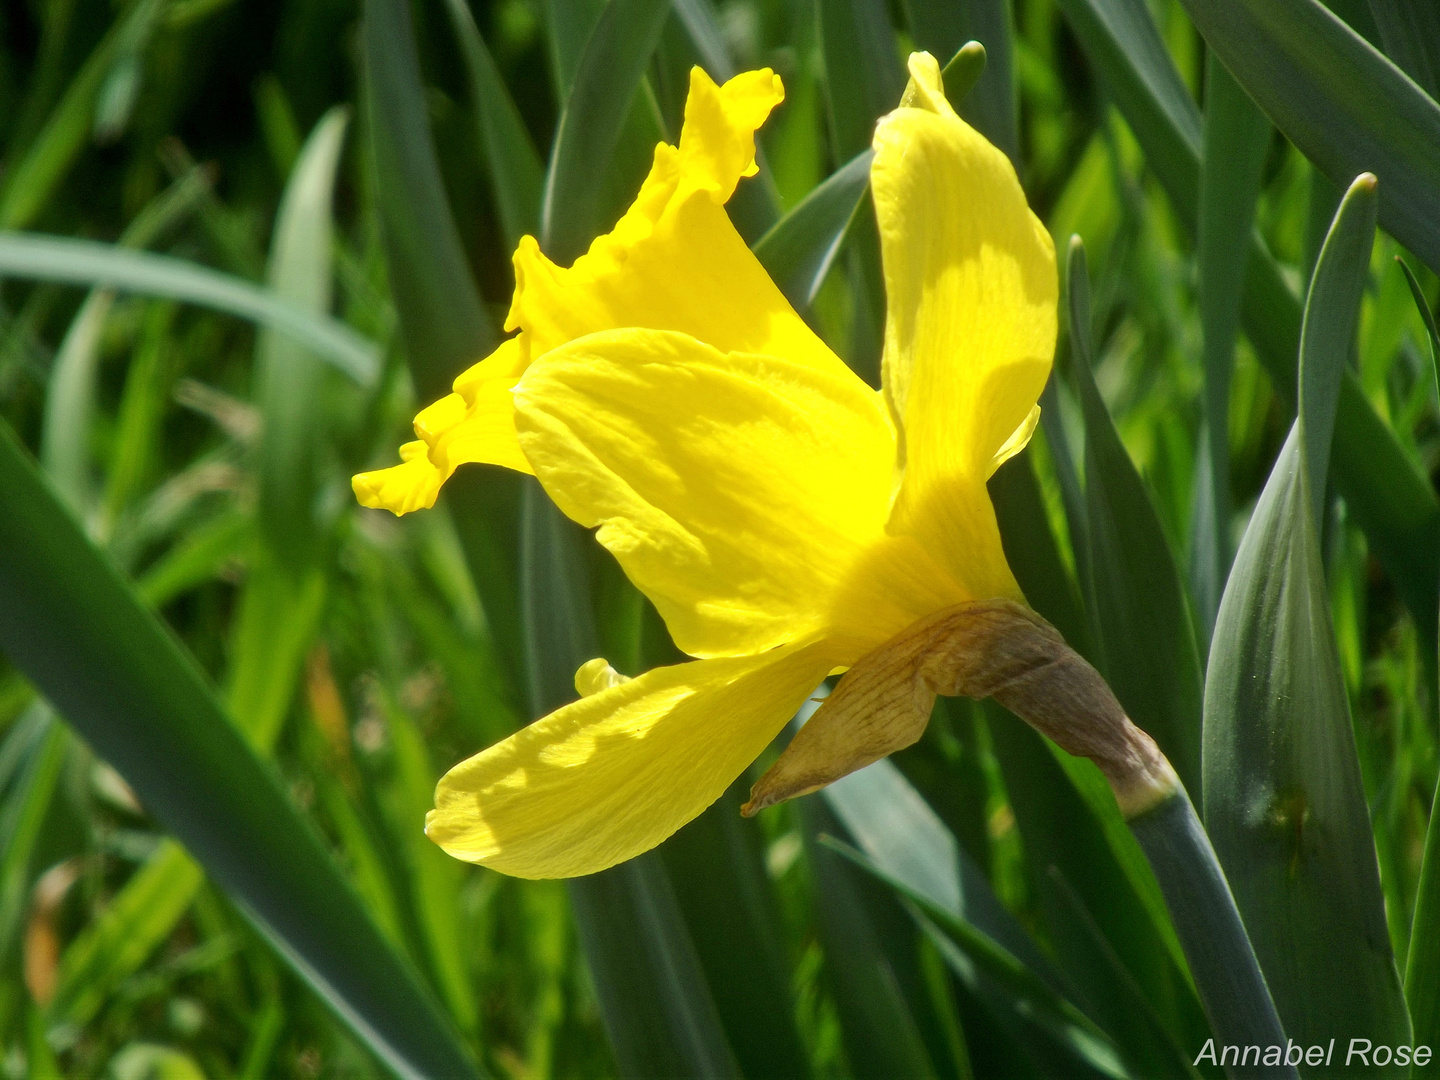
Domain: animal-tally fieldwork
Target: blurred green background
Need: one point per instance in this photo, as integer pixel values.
(366, 655)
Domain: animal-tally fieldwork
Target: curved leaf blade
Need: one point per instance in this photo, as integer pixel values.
(86, 262)
(73, 626)
(517, 177)
(1284, 800)
(442, 319)
(1142, 626)
(1236, 137)
(1346, 106)
(799, 249)
(606, 80)
(1393, 503)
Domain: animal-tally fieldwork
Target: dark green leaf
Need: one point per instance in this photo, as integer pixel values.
(882, 1034)
(517, 177)
(1236, 138)
(1143, 632)
(442, 320)
(1347, 107)
(1423, 306)
(1410, 32)
(30, 181)
(609, 74)
(717, 866)
(990, 103)
(799, 250)
(79, 633)
(1284, 801)
(1061, 827)
(1392, 502)
(977, 950)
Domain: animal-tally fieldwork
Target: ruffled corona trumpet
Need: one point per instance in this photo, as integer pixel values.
(786, 520)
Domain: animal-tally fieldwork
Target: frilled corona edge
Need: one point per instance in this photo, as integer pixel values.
(991, 648)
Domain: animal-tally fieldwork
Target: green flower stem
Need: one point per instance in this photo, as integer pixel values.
(1227, 976)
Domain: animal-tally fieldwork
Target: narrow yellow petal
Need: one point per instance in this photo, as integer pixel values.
(743, 494)
(612, 775)
(970, 329)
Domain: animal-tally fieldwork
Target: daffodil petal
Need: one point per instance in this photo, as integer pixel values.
(612, 775)
(674, 261)
(737, 491)
(414, 484)
(970, 330)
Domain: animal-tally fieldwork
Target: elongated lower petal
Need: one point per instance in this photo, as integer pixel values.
(971, 295)
(615, 773)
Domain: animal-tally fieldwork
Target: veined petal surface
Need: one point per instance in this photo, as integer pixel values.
(970, 330)
(672, 262)
(745, 495)
(612, 775)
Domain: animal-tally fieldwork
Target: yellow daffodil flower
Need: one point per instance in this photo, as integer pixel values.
(786, 520)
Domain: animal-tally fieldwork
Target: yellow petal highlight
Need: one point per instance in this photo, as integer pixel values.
(614, 774)
(970, 329)
(476, 423)
(739, 492)
(674, 261)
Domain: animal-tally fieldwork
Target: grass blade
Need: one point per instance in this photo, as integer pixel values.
(31, 181)
(882, 1035)
(863, 80)
(799, 249)
(1410, 32)
(1284, 800)
(1392, 502)
(79, 633)
(717, 866)
(112, 948)
(85, 262)
(23, 812)
(1143, 631)
(1051, 1012)
(442, 321)
(288, 376)
(1346, 106)
(70, 392)
(1236, 138)
(607, 78)
(517, 177)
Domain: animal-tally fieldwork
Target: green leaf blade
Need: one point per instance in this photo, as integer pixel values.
(1284, 800)
(77, 631)
(1344, 104)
